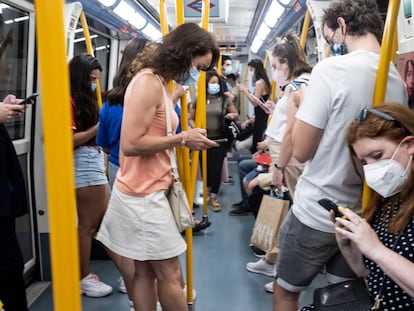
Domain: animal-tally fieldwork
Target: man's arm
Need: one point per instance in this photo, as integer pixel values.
(305, 140)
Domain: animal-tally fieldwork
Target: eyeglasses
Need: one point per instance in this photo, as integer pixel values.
(331, 39)
(362, 116)
(364, 112)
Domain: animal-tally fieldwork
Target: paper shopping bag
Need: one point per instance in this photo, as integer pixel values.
(272, 212)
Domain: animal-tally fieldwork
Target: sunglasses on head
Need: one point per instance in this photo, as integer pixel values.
(362, 116)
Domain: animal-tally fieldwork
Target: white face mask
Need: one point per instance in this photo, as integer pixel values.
(386, 177)
(279, 76)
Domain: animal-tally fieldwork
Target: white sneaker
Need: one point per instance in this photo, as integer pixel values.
(91, 286)
(185, 293)
(159, 308)
(269, 287)
(122, 287)
(131, 306)
(262, 267)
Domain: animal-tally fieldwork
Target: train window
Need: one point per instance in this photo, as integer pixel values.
(101, 43)
(14, 32)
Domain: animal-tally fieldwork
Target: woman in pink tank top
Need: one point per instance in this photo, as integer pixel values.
(138, 223)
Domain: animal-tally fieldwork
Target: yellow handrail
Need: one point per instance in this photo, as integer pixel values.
(89, 49)
(58, 155)
(387, 46)
(305, 28)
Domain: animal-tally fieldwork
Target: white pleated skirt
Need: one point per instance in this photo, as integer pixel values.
(141, 228)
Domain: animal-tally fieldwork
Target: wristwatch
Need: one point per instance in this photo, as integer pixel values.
(281, 168)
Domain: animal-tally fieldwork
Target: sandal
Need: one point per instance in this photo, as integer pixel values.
(214, 204)
(200, 225)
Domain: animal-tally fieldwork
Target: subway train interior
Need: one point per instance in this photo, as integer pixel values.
(214, 265)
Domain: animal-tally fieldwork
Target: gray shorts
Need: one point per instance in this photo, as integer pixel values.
(304, 252)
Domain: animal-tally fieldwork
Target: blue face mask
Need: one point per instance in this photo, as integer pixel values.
(188, 78)
(213, 88)
(93, 86)
(194, 74)
(227, 71)
(338, 49)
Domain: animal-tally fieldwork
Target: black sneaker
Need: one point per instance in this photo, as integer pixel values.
(240, 211)
(237, 205)
(257, 251)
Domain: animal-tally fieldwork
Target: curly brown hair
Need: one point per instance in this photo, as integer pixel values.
(173, 55)
(361, 17)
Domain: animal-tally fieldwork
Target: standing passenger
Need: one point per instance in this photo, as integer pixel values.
(109, 132)
(340, 86)
(219, 108)
(261, 91)
(92, 189)
(139, 223)
(13, 204)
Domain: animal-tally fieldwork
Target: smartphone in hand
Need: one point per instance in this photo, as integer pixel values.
(330, 205)
(28, 99)
(219, 141)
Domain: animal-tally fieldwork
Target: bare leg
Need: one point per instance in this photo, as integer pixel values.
(91, 204)
(284, 300)
(143, 289)
(127, 268)
(170, 291)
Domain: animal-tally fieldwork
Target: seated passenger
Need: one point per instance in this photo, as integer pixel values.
(380, 245)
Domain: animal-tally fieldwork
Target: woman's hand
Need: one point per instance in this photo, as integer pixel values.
(10, 109)
(268, 107)
(231, 115)
(242, 87)
(262, 146)
(277, 178)
(197, 140)
(355, 230)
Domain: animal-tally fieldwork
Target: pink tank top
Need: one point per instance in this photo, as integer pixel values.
(143, 175)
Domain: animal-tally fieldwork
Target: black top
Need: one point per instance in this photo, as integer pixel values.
(260, 124)
(12, 186)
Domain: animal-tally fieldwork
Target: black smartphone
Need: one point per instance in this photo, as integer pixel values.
(330, 205)
(221, 140)
(28, 99)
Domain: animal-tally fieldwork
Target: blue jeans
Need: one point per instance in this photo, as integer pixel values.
(246, 165)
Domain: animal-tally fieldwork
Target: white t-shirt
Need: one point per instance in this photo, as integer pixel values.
(340, 87)
(277, 125)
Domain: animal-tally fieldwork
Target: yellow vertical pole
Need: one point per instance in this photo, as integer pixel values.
(183, 153)
(163, 17)
(305, 28)
(383, 69)
(89, 49)
(58, 155)
(219, 66)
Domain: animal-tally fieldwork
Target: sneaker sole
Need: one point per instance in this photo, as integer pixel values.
(95, 295)
(260, 272)
(268, 290)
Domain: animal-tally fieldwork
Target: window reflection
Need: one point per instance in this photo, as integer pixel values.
(14, 31)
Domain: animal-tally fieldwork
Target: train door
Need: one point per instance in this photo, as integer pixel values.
(18, 76)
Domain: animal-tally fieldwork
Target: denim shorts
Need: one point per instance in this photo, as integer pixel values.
(304, 252)
(89, 165)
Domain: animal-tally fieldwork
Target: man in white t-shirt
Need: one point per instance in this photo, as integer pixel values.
(339, 88)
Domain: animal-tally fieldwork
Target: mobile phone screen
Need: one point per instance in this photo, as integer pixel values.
(28, 99)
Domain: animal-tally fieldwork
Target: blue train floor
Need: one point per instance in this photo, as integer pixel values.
(220, 254)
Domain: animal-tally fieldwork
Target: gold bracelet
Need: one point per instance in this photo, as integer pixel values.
(184, 138)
